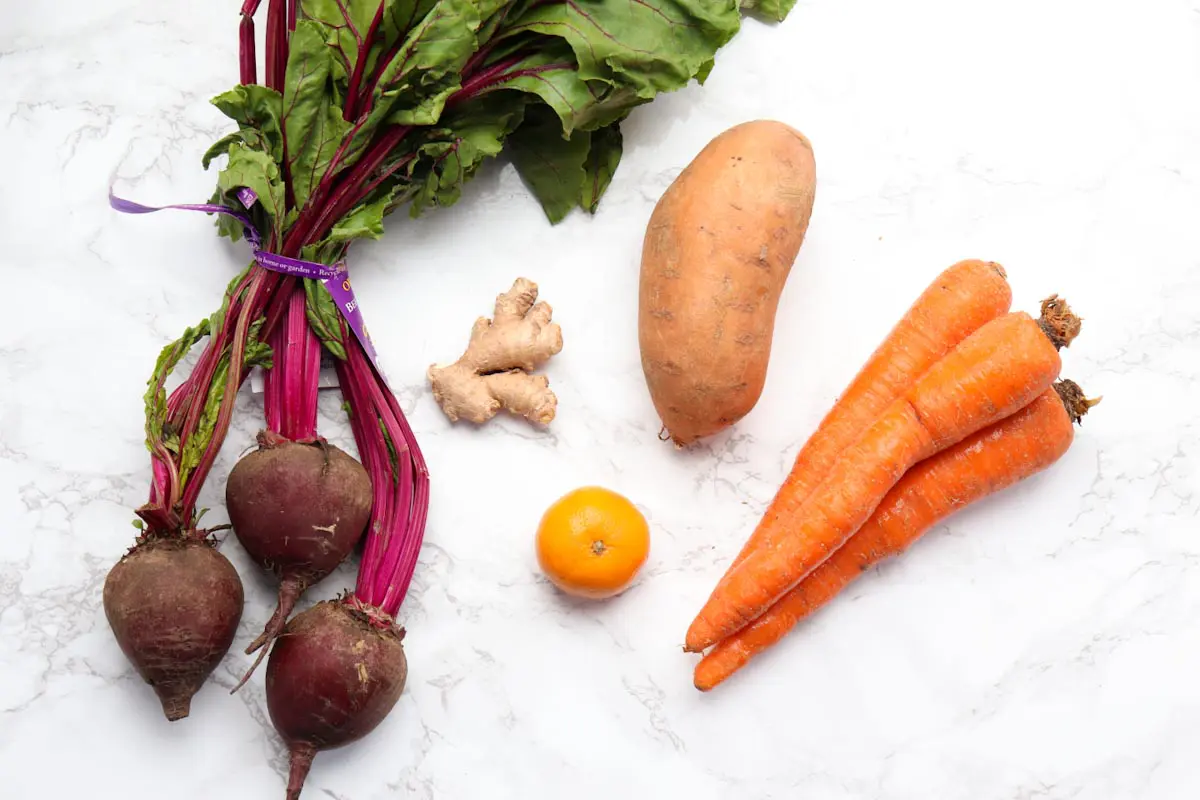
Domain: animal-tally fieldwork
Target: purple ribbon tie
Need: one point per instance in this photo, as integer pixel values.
(336, 277)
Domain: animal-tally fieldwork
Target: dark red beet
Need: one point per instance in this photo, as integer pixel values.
(174, 605)
(334, 674)
(298, 509)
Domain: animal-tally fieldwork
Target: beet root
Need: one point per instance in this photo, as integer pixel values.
(174, 605)
(334, 674)
(298, 508)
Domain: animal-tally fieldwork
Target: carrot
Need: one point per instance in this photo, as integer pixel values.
(993, 459)
(960, 300)
(996, 371)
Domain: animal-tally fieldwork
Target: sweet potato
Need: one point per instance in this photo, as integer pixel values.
(717, 252)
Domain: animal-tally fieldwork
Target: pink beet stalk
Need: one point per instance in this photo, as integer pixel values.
(277, 49)
(397, 525)
(290, 386)
(310, 361)
(297, 504)
(246, 55)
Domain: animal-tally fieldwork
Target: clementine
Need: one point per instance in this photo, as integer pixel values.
(592, 542)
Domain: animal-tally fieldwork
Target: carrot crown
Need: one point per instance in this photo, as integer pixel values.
(1073, 399)
(1059, 322)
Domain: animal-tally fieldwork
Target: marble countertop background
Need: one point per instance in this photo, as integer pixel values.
(1044, 644)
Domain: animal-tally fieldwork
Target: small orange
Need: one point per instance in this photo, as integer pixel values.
(592, 542)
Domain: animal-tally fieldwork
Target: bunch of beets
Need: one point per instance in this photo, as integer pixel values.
(366, 106)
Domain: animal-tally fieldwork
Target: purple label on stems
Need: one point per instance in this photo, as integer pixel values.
(336, 278)
(343, 295)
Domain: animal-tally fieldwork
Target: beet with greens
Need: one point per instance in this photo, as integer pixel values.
(297, 504)
(358, 684)
(174, 604)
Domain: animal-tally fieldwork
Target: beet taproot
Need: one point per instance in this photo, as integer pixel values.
(333, 675)
(298, 508)
(174, 604)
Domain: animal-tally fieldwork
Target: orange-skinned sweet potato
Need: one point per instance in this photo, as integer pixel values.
(717, 252)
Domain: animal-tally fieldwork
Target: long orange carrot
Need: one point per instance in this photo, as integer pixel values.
(996, 371)
(957, 303)
(993, 459)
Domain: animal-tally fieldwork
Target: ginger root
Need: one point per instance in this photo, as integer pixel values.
(493, 373)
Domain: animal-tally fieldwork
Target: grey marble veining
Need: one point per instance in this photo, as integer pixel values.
(1044, 644)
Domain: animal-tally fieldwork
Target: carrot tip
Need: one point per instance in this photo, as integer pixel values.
(1058, 322)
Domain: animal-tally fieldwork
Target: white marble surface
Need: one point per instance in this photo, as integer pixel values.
(1042, 645)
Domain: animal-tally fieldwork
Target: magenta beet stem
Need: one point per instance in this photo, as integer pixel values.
(418, 514)
(303, 380)
(247, 59)
(310, 361)
(292, 361)
(272, 384)
(398, 549)
(401, 490)
(189, 396)
(354, 104)
(233, 380)
(277, 48)
(291, 384)
(159, 482)
(372, 449)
